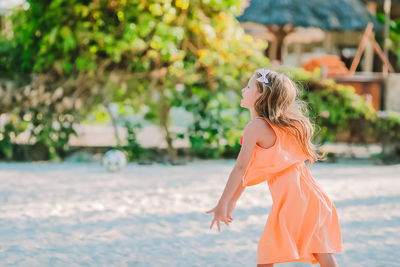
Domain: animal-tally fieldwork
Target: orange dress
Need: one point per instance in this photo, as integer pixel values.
(302, 220)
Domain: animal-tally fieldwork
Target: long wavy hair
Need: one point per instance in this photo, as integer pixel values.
(279, 103)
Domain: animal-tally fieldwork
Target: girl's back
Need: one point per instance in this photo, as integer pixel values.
(266, 162)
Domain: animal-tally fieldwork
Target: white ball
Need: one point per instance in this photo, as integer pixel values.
(114, 160)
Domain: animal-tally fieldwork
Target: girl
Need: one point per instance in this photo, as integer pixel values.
(303, 224)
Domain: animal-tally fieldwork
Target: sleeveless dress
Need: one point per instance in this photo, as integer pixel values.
(302, 220)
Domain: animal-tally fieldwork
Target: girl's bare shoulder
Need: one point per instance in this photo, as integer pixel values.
(259, 128)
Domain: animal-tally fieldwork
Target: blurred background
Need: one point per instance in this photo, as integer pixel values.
(160, 81)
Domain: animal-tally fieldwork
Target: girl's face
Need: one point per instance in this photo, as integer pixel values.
(250, 94)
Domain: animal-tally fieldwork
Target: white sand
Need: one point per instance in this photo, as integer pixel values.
(77, 214)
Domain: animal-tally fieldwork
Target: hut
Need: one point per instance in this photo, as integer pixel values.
(298, 31)
(308, 20)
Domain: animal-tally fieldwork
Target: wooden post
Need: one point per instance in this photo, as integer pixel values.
(360, 49)
(381, 55)
(298, 48)
(368, 37)
(386, 7)
(368, 61)
(328, 42)
(280, 33)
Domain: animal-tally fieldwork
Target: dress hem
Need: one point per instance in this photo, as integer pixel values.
(276, 261)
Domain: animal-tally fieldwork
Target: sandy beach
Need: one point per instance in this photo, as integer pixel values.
(77, 214)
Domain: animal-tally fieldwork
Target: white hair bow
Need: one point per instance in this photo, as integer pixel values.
(263, 77)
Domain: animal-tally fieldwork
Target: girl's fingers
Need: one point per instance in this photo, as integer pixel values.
(226, 221)
(209, 211)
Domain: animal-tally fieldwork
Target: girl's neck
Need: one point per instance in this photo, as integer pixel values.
(253, 114)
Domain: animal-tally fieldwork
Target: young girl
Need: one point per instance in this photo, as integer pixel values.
(303, 224)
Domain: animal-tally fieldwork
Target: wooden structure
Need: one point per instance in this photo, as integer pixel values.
(370, 38)
(281, 17)
(367, 85)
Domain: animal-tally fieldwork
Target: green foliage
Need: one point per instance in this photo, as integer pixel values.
(47, 116)
(153, 54)
(7, 132)
(226, 61)
(218, 123)
(332, 106)
(335, 105)
(134, 150)
(394, 35)
(54, 135)
(388, 127)
(136, 52)
(336, 109)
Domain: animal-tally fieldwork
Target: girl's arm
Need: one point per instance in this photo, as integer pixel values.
(238, 193)
(234, 187)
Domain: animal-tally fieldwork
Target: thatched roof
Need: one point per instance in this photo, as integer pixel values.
(323, 14)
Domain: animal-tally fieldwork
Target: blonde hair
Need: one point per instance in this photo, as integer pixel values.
(280, 105)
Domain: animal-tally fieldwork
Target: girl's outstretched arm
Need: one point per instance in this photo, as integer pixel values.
(234, 188)
(232, 203)
(238, 193)
(223, 209)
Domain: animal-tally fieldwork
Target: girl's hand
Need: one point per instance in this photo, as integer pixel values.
(220, 214)
(231, 207)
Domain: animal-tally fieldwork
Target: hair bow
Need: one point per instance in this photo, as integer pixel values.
(263, 77)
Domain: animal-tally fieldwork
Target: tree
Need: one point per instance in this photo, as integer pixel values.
(133, 52)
